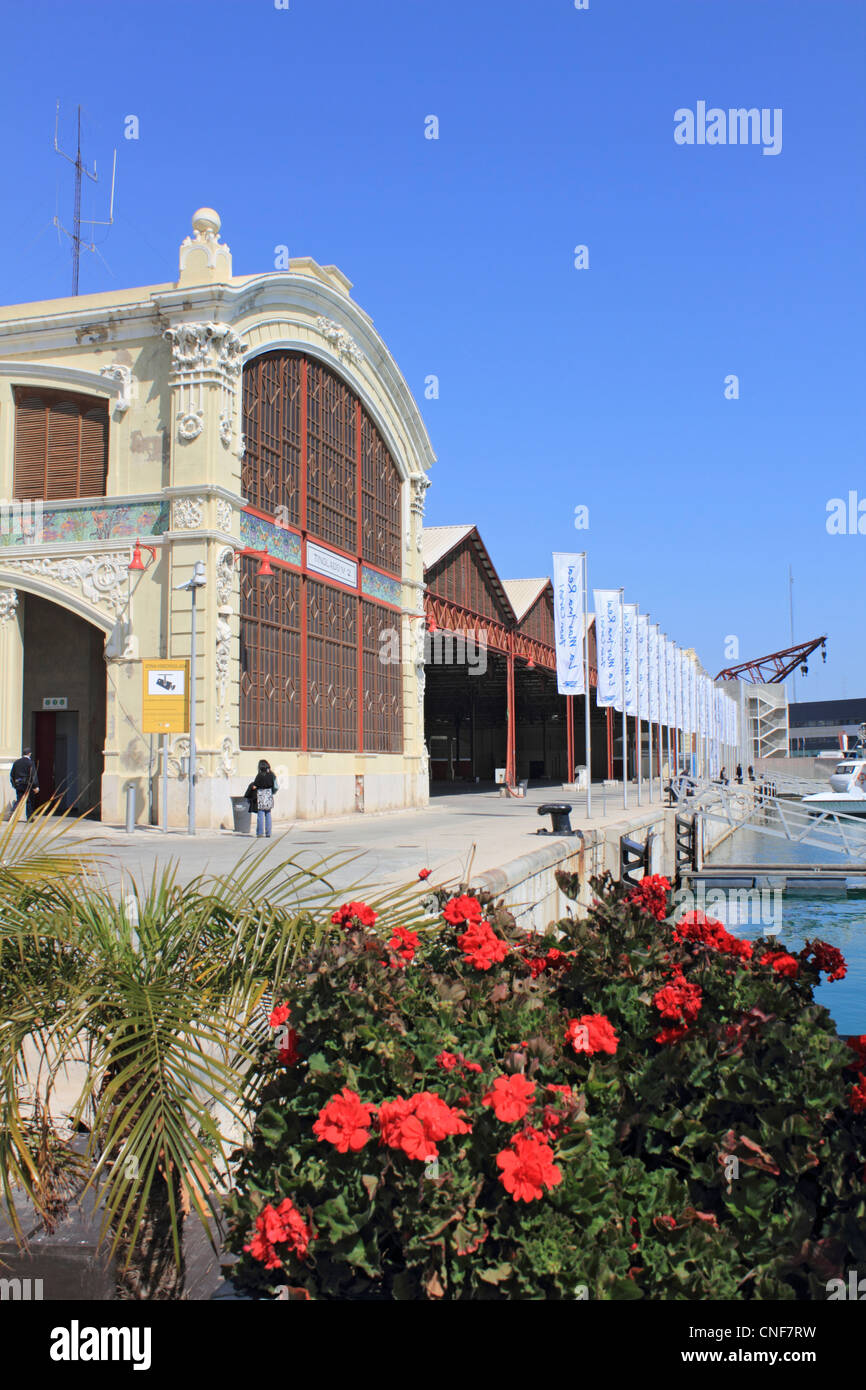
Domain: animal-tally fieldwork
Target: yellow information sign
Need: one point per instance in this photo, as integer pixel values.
(165, 697)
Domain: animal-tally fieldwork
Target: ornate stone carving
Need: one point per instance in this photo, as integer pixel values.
(118, 372)
(419, 485)
(222, 659)
(8, 605)
(187, 513)
(177, 751)
(101, 579)
(345, 345)
(227, 761)
(205, 355)
(225, 573)
(190, 425)
(225, 514)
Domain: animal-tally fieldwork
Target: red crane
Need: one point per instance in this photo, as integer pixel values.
(773, 669)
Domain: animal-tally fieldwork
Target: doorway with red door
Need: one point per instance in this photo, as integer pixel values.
(64, 705)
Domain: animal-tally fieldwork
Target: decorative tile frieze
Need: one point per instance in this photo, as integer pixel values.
(258, 534)
(104, 521)
(381, 586)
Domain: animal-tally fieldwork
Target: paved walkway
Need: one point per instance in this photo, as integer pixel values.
(457, 835)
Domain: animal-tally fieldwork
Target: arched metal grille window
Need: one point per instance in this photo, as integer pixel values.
(311, 673)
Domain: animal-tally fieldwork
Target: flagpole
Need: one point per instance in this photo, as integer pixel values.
(639, 739)
(586, 721)
(622, 693)
(649, 710)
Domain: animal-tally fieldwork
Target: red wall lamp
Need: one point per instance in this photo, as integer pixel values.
(265, 570)
(136, 564)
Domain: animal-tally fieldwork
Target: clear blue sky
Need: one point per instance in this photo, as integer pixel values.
(559, 387)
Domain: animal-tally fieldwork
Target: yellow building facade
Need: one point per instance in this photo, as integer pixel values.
(214, 419)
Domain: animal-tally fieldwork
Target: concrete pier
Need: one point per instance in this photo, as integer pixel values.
(472, 836)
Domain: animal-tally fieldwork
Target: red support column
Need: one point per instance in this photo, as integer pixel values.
(302, 582)
(510, 732)
(569, 738)
(359, 607)
(609, 714)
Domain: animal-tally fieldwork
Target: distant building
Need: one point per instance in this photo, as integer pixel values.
(815, 725)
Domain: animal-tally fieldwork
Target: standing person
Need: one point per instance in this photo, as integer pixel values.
(260, 794)
(751, 771)
(22, 775)
(739, 774)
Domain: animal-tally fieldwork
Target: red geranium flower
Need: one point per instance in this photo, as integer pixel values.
(591, 1033)
(282, 1225)
(470, 1066)
(481, 946)
(669, 1035)
(694, 926)
(418, 1123)
(447, 1060)
(858, 1047)
(404, 944)
(288, 1053)
(510, 1097)
(462, 909)
(345, 1121)
(527, 1168)
(651, 895)
(782, 962)
(354, 915)
(553, 960)
(858, 1096)
(679, 1000)
(423, 873)
(279, 1015)
(827, 958)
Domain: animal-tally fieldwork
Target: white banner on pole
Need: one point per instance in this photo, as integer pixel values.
(643, 662)
(654, 672)
(672, 683)
(630, 621)
(608, 647)
(569, 619)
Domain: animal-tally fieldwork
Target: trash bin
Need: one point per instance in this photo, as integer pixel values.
(241, 815)
(580, 778)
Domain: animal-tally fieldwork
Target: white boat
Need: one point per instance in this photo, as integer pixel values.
(847, 794)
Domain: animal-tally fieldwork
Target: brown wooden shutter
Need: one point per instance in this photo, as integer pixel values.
(30, 446)
(61, 445)
(94, 452)
(64, 419)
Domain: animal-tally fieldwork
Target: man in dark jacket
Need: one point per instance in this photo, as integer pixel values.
(22, 775)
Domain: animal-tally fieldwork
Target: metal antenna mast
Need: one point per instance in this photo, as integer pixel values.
(80, 169)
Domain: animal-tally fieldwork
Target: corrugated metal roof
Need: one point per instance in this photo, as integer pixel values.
(522, 593)
(436, 541)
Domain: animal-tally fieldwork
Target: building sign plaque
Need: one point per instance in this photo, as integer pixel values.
(331, 565)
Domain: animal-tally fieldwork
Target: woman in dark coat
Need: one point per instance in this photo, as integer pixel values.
(260, 794)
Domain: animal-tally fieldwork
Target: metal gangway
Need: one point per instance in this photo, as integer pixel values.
(756, 808)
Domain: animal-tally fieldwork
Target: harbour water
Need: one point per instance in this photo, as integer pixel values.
(841, 921)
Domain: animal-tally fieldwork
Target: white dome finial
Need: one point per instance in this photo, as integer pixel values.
(205, 221)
